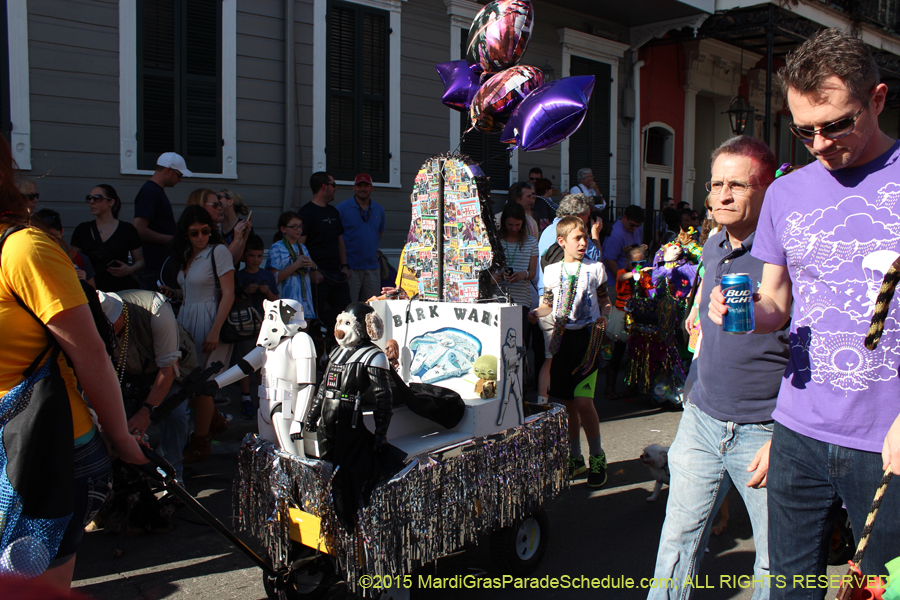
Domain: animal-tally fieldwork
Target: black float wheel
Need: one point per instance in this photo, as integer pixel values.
(519, 549)
(311, 582)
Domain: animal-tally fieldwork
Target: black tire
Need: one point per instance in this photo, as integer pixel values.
(311, 582)
(519, 549)
(843, 546)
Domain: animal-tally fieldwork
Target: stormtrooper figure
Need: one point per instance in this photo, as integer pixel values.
(288, 361)
(354, 365)
(512, 389)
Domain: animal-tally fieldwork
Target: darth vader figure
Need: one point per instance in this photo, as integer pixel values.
(356, 366)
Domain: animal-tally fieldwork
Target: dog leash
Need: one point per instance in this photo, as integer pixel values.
(857, 581)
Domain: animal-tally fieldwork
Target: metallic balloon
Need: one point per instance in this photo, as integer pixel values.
(550, 114)
(499, 96)
(499, 34)
(461, 81)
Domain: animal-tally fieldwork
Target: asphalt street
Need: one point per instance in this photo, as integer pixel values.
(609, 533)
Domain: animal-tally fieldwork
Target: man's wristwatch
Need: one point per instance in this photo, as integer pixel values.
(150, 408)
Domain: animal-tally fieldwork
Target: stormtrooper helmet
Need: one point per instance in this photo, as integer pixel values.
(358, 324)
(283, 318)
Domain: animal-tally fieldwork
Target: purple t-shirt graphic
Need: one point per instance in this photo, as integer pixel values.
(837, 233)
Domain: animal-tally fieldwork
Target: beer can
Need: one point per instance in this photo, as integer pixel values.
(738, 291)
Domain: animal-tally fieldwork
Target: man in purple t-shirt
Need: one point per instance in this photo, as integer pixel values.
(626, 232)
(827, 233)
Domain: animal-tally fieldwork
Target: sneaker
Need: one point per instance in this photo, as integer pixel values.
(597, 475)
(221, 400)
(247, 410)
(576, 467)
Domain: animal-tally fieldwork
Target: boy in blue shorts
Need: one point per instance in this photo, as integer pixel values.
(575, 294)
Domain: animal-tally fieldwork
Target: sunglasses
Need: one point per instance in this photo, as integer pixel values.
(178, 174)
(832, 131)
(223, 197)
(215, 204)
(634, 263)
(95, 198)
(198, 232)
(32, 197)
(294, 227)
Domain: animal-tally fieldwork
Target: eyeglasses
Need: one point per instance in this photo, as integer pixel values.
(635, 263)
(633, 223)
(95, 198)
(738, 188)
(215, 204)
(32, 197)
(332, 184)
(294, 227)
(178, 174)
(198, 232)
(223, 197)
(832, 131)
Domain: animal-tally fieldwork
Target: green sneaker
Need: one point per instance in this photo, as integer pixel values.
(597, 474)
(576, 467)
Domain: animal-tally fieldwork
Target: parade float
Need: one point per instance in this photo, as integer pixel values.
(471, 462)
(480, 474)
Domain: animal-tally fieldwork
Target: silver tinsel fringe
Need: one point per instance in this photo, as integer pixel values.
(432, 508)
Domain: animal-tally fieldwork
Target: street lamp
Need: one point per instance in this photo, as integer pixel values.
(548, 71)
(739, 114)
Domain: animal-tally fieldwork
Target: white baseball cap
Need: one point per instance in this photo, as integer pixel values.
(111, 305)
(171, 160)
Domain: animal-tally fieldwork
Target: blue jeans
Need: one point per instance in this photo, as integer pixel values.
(707, 457)
(808, 480)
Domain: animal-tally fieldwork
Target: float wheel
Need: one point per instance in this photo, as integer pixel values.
(519, 549)
(311, 582)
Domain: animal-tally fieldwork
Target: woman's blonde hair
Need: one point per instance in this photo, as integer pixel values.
(198, 197)
(239, 207)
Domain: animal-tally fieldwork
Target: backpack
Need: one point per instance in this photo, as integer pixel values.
(552, 255)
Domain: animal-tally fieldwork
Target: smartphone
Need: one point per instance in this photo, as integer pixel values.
(250, 215)
(112, 263)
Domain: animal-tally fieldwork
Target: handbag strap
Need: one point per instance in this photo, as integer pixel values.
(212, 257)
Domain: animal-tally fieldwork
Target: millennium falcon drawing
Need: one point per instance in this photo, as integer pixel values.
(443, 354)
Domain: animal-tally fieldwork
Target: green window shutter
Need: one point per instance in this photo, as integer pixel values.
(357, 92)
(180, 82)
(589, 146)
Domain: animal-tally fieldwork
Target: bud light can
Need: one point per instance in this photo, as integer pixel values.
(738, 291)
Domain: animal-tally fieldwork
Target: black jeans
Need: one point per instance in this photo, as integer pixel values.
(332, 295)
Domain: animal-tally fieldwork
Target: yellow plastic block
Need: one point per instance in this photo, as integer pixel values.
(305, 529)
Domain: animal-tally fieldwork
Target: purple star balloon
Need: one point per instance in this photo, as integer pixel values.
(549, 114)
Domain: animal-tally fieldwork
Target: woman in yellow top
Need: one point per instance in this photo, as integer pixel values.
(42, 307)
